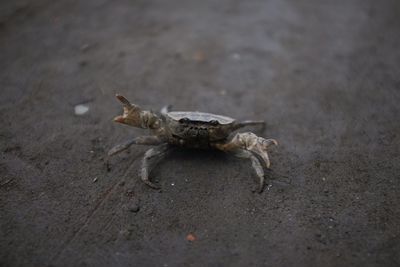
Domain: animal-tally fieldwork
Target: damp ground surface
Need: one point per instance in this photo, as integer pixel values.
(325, 76)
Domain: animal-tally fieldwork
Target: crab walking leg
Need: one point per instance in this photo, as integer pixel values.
(150, 159)
(141, 140)
(242, 124)
(250, 142)
(256, 165)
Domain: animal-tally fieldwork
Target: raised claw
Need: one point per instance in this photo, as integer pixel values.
(123, 100)
(131, 114)
(134, 116)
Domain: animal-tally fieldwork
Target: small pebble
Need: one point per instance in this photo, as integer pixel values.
(199, 56)
(130, 193)
(134, 207)
(81, 109)
(191, 237)
(95, 179)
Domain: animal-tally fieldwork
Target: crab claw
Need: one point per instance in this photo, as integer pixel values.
(134, 116)
(123, 100)
(260, 146)
(255, 144)
(119, 119)
(131, 114)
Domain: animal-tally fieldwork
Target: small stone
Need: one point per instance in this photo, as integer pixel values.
(95, 179)
(81, 109)
(199, 56)
(191, 237)
(134, 207)
(130, 193)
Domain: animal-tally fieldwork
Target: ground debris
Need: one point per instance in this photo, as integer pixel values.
(81, 109)
(191, 237)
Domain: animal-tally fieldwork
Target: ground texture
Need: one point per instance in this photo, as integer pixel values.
(325, 75)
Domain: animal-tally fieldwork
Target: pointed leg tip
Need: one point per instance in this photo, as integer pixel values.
(261, 187)
(156, 187)
(258, 189)
(152, 185)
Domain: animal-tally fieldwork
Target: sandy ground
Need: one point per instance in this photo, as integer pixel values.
(324, 75)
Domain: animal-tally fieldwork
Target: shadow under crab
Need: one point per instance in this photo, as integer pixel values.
(198, 130)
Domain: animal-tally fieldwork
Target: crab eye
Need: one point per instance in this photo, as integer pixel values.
(214, 122)
(184, 120)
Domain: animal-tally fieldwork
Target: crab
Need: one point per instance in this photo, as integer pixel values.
(191, 130)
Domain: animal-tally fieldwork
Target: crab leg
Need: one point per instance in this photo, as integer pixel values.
(250, 142)
(254, 145)
(151, 157)
(141, 140)
(256, 165)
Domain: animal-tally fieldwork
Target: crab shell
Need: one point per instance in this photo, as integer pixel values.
(197, 127)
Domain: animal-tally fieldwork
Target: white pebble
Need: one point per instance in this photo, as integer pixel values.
(81, 109)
